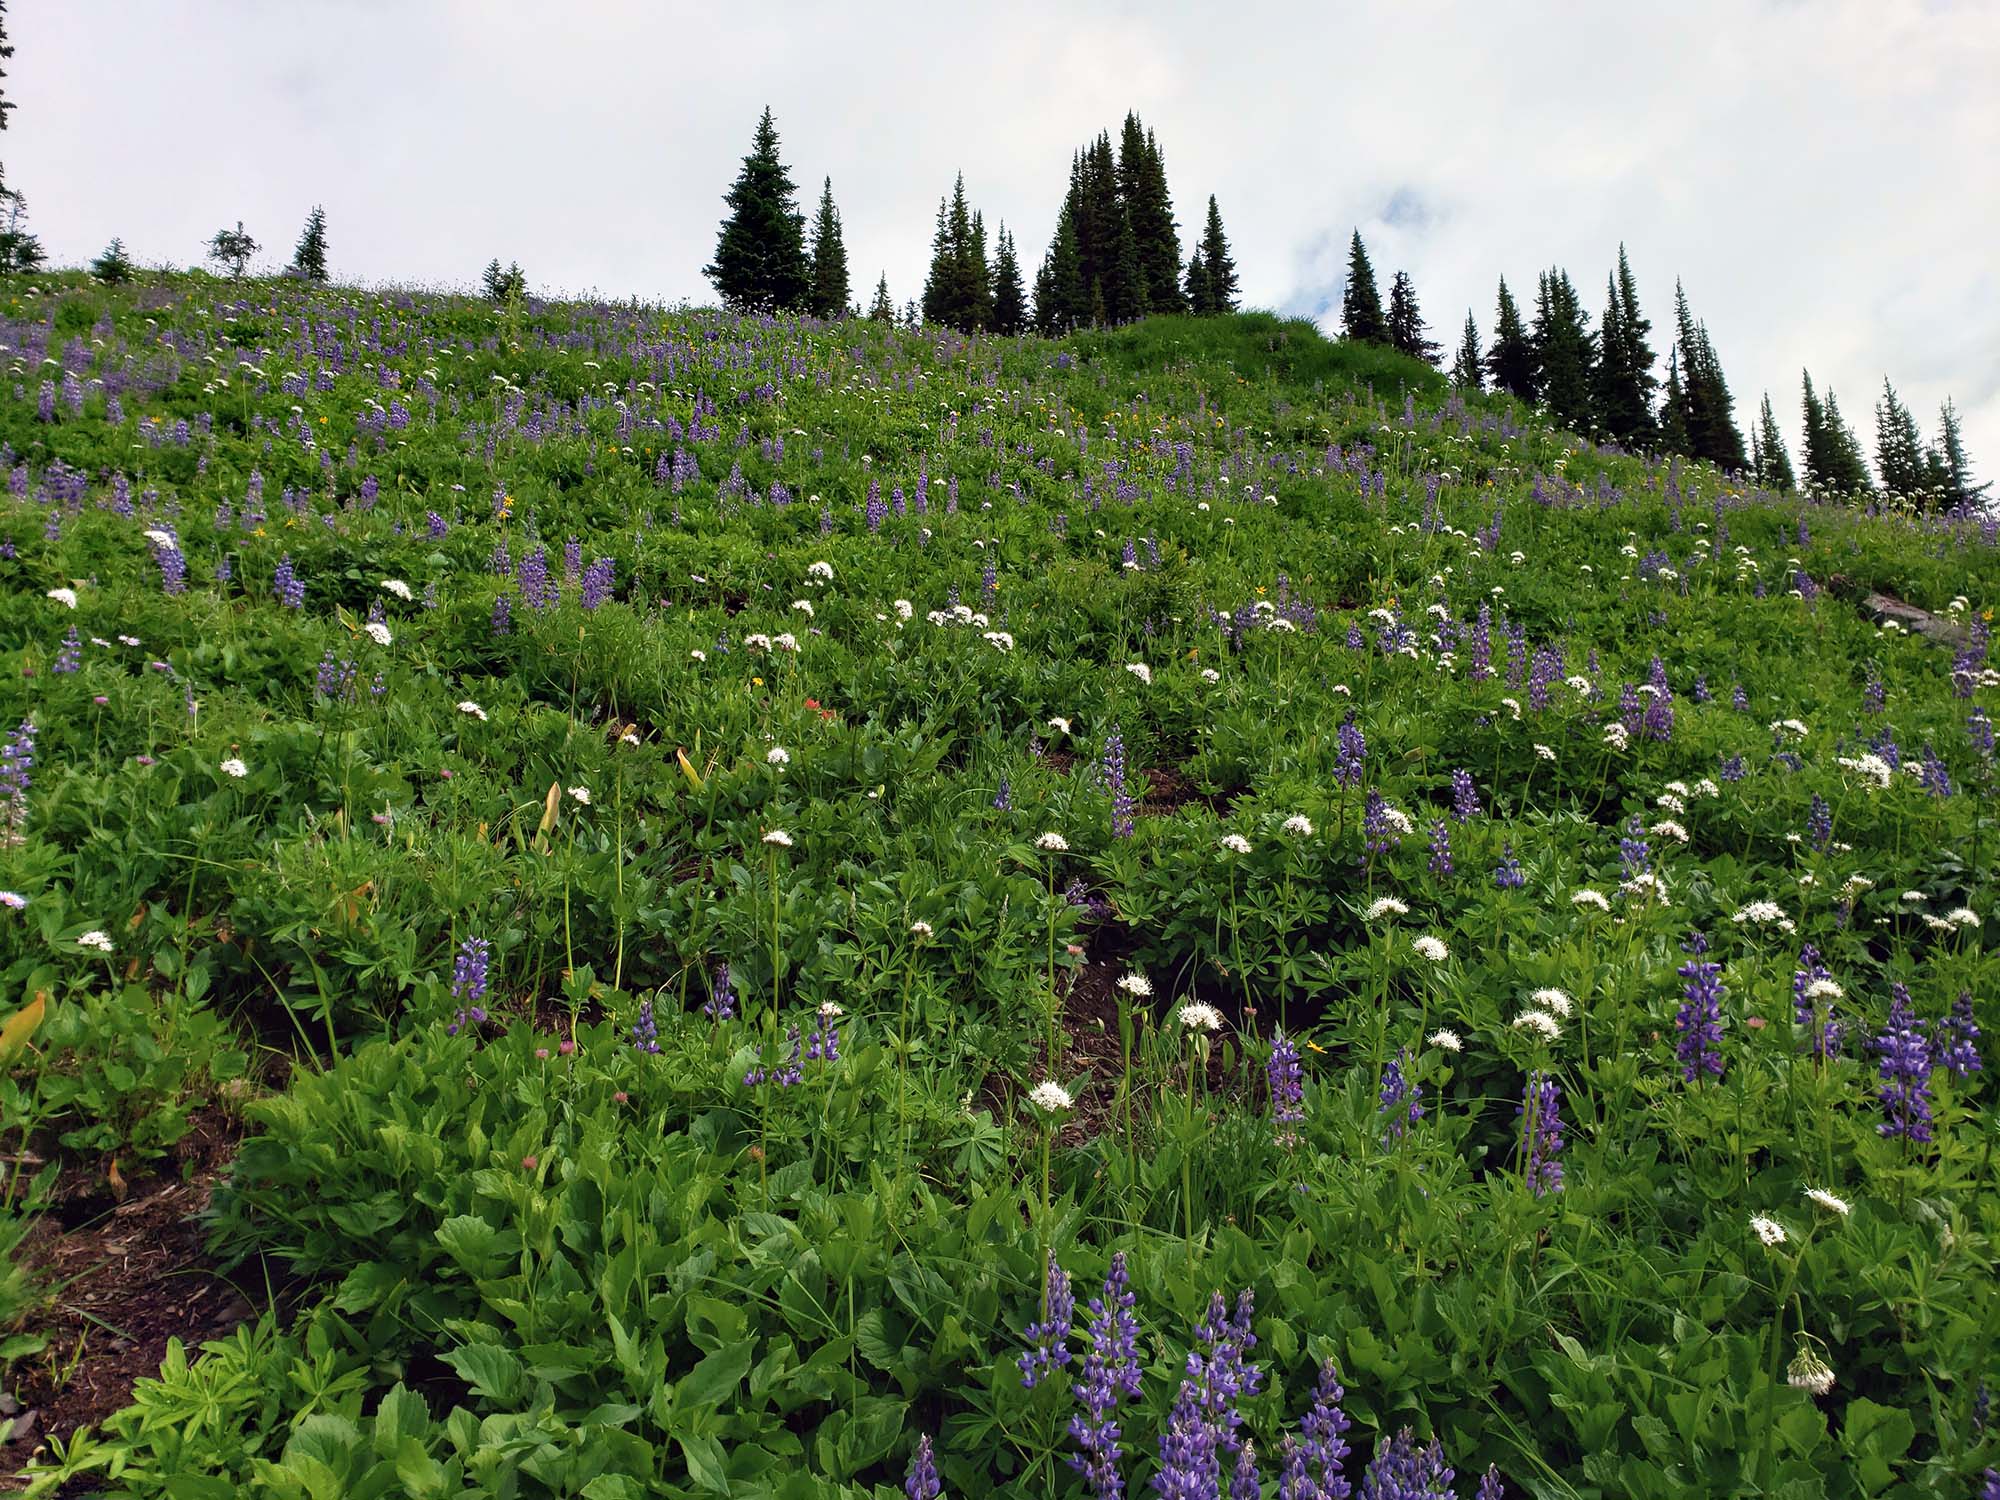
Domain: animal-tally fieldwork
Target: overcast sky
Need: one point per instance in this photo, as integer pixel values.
(1811, 169)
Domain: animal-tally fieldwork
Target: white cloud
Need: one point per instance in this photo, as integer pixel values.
(1810, 171)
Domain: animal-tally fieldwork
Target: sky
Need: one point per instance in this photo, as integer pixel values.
(1809, 169)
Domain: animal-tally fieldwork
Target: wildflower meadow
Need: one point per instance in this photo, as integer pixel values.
(705, 905)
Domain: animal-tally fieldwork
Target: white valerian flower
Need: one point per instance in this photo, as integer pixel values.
(1668, 828)
(1210, 675)
(778, 838)
(697, 655)
(1385, 906)
(580, 794)
(1579, 683)
(904, 609)
(65, 597)
(1789, 726)
(1829, 1202)
(804, 607)
(829, 1009)
(1590, 898)
(1673, 802)
(1647, 883)
(1446, 1040)
(757, 641)
(920, 929)
(1962, 916)
(397, 587)
(1540, 1022)
(234, 767)
(472, 709)
(820, 570)
(1054, 843)
(1870, 765)
(1822, 989)
(162, 539)
(1552, 1000)
(1615, 735)
(1431, 948)
(1915, 898)
(1050, 1097)
(95, 940)
(378, 633)
(1235, 843)
(1770, 1231)
(1200, 1016)
(1141, 671)
(1298, 824)
(785, 642)
(13, 900)
(1808, 1372)
(1000, 640)
(1513, 704)
(777, 755)
(1545, 752)
(1135, 983)
(1762, 913)
(128, 640)
(1707, 788)
(1059, 724)
(1397, 819)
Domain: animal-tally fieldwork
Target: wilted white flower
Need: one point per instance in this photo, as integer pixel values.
(831, 1008)
(777, 755)
(778, 837)
(1140, 670)
(1540, 1022)
(64, 597)
(1050, 1097)
(378, 632)
(234, 767)
(1200, 1016)
(1770, 1231)
(1808, 1372)
(469, 707)
(1235, 843)
(581, 794)
(1054, 843)
(1446, 1040)
(95, 940)
(1552, 1000)
(1135, 983)
(397, 587)
(1297, 824)
(1590, 898)
(1385, 906)
(1431, 948)
(1829, 1202)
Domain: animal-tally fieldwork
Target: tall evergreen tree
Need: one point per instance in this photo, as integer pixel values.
(1563, 350)
(1010, 298)
(1062, 299)
(1194, 285)
(1468, 369)
(882, 310)
(1707, 414)
(1142, 184)
(1954, 469)
(6, 104)
(1219, 284)
(309, 256)
(830, 289)
(1408, 334)
(1361, 315)
(760, 260)
(233, 248)
(1624, 383)
(20, 251)
(1511, 359)
(1899, 448)
(1674, 406)
(1834, 465)
(113, 266)
(1774, 464)
(959, 291)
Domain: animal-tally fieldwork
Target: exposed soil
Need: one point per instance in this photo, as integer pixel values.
(1169, 790)
(126, 1270)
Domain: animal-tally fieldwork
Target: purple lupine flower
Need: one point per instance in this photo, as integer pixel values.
(503, 615)
(1631, 710)
(1699, 1020)
(1807, 980)
(1732, 769)
(1955, 1041)
(1123, 804)
(1294, 1483)
(1738, 699)
(287, 585)
(434, 526)
(1979, 730)
(645, 1030)
(70, 657)
(1934, 778)
(538, 590)
(1377, 832)
(1403, 1470)
(786, 1075)
(1187, 1468)
(1542, 1136)
(1402, 1099)
(1635, 858)
(721, 1003)
(1873, 693)
(877, 511)
(1350, 753)
(1989, 1486)
(1482, 645)
(1356, 641)
(468, 982)
(1322, 1446)
(1440, 857)
(921, 1482)
(572, 559)
(173, 567)
(1489, 1484)
(1819, 823)
(1050, 1336)
(1701, 695)
(17, 762)
(1110, 1372)
(1286, 1078)
(1464, 795)
(824, 1045)
(1508, 874)
(1003, 799)
(1243, 1483)
(1905, 1069)
(1545, 671)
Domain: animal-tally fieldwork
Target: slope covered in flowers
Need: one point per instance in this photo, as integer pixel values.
(723, 865)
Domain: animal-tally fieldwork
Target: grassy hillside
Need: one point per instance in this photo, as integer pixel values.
(582, 830)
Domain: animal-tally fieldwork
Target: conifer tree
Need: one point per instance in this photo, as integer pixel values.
(6, 104)
(1899, 448)
(1954, 469)
(1834, 465)
(1361, 315)
(760, 260)
(1062, 300)
(1774, 464)
(113, 266)
(1623, 383)
(1674, 406)
(1408, 333)
(882, 310)
(1219, 285)
(959, 291)
(493, 281)
(979, 275)
(309, 257)
(1010, 298)
(233, 248)
(1511, 359)
(1563, 352)
(20, 251)
(1707, 406)
(1468, 369)
(1142, 185)
(830, 289)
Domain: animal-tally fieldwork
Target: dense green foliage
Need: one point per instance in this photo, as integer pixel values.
(1122, 713)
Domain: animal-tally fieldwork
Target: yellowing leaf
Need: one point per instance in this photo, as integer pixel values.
(551, 805)
(687, 769)
(21, 1025)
